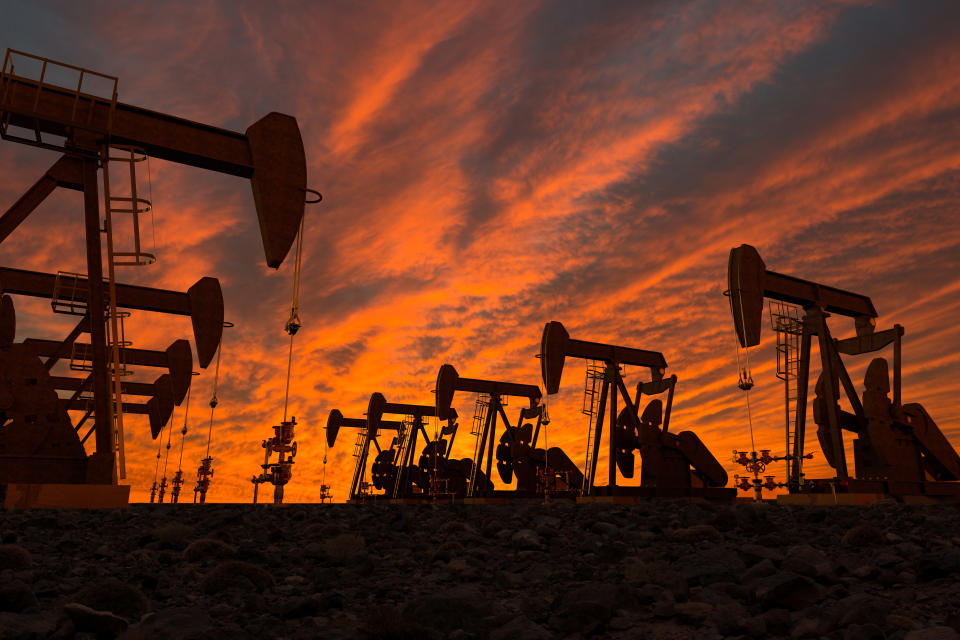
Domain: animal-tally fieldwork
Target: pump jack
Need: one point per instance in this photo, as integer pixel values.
(395, 468)
(899, 449)
(398, 468)
(84, 127)
(517, 452)
(365, 438)
(667, 457)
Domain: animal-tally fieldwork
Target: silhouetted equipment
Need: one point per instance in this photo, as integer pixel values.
(277, 473)
(205, 470)
(667, 457)
(396, 466)
(178, 478)
(394, 471)
(68, 119)
(517, 453)
(92, 129)
(756, 464)
(361, 448)
(899, 450)
(176, 485)
(204, 477)
(325, 494)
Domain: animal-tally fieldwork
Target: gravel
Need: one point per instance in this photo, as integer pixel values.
(660, 569)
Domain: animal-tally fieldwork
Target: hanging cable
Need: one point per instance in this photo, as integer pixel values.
(323, 478)
(213, 399)
(745, 378)
(167, 454)
(293, 322)
(183, 432)
(156, 469)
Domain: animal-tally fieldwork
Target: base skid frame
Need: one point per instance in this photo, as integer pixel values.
(16, 495)
(866, 492)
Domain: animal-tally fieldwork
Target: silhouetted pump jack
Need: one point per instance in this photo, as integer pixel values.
(517, 452)
(673, 464)
(91, 130)
(359, 485)
(395, 471)
(899, 450)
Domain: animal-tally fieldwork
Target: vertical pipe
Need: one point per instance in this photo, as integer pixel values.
(408, 457)
(494, 412)
(669, 409)
(115, 337)
(896, 366)
(453, 436)
(479, 451)
(597, 432)
(612, 460)
(105, 471)
(786, 410)
(828, 364)
(800, 416)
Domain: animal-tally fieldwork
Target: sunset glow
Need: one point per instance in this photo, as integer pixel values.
(489, 167)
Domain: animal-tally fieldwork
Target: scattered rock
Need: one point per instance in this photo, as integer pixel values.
(939, 564)
(520, 627)
(752, 553)
(100, 622)
(436, 572)
(807, 561)
(787, 589)
(584, 609)
(933, 633)
(895, 623)
(707, 567)
(698, 533)
(862, 609)
(461, 607)
(22, 626)
(236, 574)
(657, 572)
(605, 529)
(693, 613)
(173, 535)
(387, 623)
(344, 548)
(14, 557)
(179, 623)
(16, 596)
(208, 549)
(526, 539)
(808, 628)
(863, 535)
(762, 569)
(863, 632)
(114, 596)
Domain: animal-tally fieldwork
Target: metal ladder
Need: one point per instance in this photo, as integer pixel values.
(399, 460)
(786, 321)
(116, 341)
(358, 454)
(480, 409)
(595, 372)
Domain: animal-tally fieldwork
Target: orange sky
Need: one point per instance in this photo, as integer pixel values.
(488, 167)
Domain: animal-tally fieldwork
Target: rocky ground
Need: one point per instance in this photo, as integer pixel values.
(656, 570)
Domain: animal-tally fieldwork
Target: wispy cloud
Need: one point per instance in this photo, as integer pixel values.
(490, 167)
